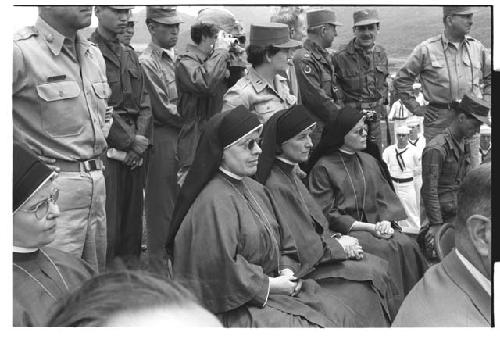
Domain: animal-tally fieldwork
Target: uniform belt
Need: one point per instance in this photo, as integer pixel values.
(401, 181)
(440, 105)
(79, 166)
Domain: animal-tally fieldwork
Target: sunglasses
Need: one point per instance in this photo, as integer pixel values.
(361, 131)
(42, 208)
(251, 143)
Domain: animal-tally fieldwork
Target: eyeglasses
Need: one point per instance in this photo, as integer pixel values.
(250, 144)
(42, 208)
(361, 131)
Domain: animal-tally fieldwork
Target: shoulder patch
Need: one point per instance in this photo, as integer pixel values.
(25, 33)
(307, 69)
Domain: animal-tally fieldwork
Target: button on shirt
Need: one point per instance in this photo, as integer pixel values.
(250, 91)
(59, 94)
(159, 67)
(447, 71)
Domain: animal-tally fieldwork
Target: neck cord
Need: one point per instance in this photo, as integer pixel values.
(360, 214)
(259, 214)
(38, 281)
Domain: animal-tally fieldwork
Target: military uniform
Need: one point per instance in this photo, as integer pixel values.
(200, 85)
(445, 162)
(446, 71)
(132, 116)
(59, 105)
(161, 186)
(317, 84)
(362, 77)
(250, 90)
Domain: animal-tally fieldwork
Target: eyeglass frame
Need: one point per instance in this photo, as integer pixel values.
(52, 198)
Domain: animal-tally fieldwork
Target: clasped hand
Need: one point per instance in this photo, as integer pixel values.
(286, 284)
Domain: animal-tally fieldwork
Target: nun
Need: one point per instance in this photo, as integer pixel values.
(357, 200)
(228, 247)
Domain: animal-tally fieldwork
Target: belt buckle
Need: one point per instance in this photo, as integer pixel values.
(90, 165)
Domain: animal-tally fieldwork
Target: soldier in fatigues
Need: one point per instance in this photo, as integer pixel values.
(446, 161)
(158, 63)
(129, 135)
(449, 65)
(315, 71)
(361, 68)
(60, 111)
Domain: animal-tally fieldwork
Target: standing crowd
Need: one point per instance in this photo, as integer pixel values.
(261, 167)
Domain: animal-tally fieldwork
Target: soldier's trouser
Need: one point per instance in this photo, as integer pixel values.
(81, 225)
(437, 126)
(161, 188)
(124, 204)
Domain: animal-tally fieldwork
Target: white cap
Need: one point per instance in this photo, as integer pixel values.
(402, 130)
(485, 129)
(416, 86)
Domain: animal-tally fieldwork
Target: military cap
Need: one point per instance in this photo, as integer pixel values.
(485, 130)
(365, 16)
(457, 10)
(163, 14)
(121, 7)
(402, 130)
(220, 17)
(274, 34)
(319, 17)
(476, 107)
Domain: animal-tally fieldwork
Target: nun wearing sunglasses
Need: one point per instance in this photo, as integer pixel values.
(228, 247)
(357, 200)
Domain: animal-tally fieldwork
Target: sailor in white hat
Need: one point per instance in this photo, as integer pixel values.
(417, 140)
(485, 143)
(417, 93)
(404, 164)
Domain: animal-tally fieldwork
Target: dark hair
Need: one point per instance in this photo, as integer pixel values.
(256, 54)
(105, 295)
(474, 196)
(202, 29)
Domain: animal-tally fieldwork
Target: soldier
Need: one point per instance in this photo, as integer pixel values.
(129, 135)
(449, 65)
(445, 162)
(128, 34)
(315, 71)
(158, 63)
(485, 143)
(361, 68)
(201, 74)
(60, 111)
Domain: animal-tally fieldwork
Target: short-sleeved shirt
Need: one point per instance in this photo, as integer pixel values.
(446, 70)
(362, 73)
(409, 164)
(59, 94)
(250, 89)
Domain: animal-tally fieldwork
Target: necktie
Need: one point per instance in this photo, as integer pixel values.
(400, 160)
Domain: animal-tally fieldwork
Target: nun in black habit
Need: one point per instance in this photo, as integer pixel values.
(356, 199)
(229, 249)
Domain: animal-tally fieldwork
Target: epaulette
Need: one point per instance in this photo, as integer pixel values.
(432, 39)
(25, 33)
(469, 38)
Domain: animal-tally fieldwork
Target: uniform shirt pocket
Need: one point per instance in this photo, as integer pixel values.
(266, 109)
(172, 90)
(100, 100)
(59, 108)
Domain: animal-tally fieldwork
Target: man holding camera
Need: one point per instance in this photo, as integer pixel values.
(129, 135)
(202, 71)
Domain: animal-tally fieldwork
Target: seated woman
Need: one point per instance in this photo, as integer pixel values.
(131, 298)
(41, 275)
(364, 285)
(357, 200)
(229, 249)
(263, 90)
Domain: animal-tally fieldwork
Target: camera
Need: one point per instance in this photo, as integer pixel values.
(370, 115)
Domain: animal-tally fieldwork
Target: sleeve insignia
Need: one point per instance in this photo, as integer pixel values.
(307, 69)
